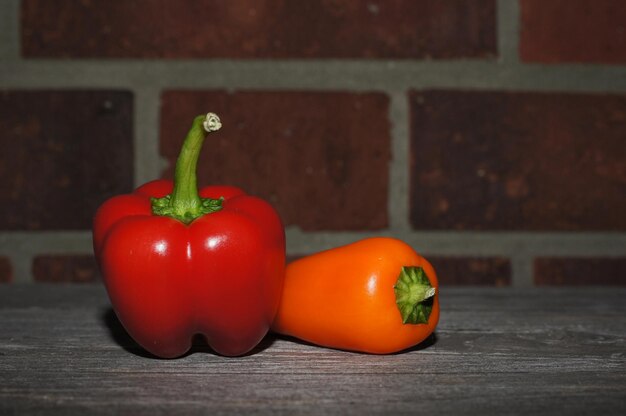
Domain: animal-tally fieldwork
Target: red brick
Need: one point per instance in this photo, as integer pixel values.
(582, 31)
(6, 270)
(485, 271)
(321, 158)
(580, 271)
(65, 268)
(259, 29)
(63, 153)
(518, 161)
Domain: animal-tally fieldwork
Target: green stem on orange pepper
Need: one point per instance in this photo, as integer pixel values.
(414, 295)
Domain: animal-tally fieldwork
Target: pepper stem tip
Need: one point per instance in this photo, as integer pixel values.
(211, 123)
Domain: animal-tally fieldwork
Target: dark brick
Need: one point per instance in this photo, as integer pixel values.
(518, 161)
(252, 29)
(559, 31)
(486, 271)
(580, 271)
(321, 158)
(63, 153)
(65, 268)
(6, 270)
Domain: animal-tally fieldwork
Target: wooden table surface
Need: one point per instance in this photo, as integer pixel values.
(495, 351)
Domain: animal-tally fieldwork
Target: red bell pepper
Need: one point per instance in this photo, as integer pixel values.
(177, 262)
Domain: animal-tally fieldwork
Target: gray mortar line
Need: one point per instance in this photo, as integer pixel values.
(522, 270)
(147, 160)
(48, 242)
(20, 254)
(446, 243)
(22, 266)
(318, 75)
(9, 35)
(398, 200)
(471, 243)
(508, 31)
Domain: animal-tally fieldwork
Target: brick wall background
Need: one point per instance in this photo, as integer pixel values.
(490, 135)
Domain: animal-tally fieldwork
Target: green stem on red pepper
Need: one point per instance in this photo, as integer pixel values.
(184, 203)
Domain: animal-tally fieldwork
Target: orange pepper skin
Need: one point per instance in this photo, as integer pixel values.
(344, 298)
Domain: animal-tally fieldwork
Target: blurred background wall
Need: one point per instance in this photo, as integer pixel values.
(490, 135)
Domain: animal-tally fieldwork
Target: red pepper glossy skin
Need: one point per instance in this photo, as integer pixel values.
(220, 276)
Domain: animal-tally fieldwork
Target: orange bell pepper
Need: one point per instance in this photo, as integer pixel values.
(375, 296)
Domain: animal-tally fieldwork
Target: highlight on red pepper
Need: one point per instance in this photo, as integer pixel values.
(177, 262)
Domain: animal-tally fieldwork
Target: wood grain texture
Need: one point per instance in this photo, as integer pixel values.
(496, 350)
